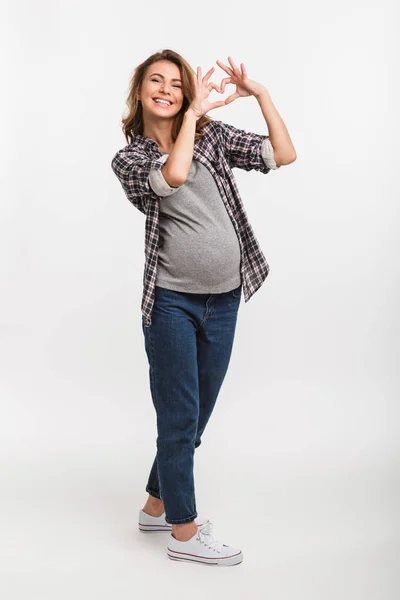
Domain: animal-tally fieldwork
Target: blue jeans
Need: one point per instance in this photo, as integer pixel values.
(188, 345)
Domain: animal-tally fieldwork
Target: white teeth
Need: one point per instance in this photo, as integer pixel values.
(162, 102)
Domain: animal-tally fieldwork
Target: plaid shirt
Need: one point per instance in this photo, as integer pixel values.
(222, 148)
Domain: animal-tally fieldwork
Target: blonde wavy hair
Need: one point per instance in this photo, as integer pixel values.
(132, 123)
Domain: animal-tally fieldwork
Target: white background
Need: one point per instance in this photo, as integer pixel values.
(299, 465)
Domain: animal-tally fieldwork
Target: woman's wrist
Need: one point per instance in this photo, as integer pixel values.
(192, 113)
(262, 92)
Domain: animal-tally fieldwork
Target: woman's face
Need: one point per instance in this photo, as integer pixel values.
(161, 81)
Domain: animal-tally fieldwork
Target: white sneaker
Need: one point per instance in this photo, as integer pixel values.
(203, 548)
(148, 523)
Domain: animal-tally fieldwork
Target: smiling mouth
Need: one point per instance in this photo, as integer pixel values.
(162, 103)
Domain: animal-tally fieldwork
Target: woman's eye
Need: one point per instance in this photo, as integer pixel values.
(158, 81)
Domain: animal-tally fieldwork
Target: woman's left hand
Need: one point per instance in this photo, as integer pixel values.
(244, 85)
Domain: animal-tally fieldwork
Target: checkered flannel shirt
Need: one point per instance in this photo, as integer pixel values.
(222, 148)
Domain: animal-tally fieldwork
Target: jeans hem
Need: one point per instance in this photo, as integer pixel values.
(153, 493)
(181, 521)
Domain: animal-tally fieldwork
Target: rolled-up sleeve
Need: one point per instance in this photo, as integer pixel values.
(267, 151)
(132, 168)
(157, 180)
(247, 150)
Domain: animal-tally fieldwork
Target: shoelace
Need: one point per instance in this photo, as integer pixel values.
(205, 537)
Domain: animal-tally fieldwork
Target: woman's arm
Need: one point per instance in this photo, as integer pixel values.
(284, 151)
(176, 168)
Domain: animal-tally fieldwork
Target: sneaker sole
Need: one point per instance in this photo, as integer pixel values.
(153, 528)
(216, 562)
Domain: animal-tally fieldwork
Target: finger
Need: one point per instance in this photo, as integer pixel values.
(244, 70)
(224, 82)
(224, 67)
(217, 104)
(208, 75)
(231, 98)
(234, 67)
(214, 86)
(199, 75)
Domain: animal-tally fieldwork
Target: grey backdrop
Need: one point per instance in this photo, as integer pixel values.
(299, 465)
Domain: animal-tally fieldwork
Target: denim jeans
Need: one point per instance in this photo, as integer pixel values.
(188, 345)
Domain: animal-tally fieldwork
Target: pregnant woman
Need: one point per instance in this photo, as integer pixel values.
(201, 255)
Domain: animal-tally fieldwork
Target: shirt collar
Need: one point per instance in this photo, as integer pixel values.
(143, 141)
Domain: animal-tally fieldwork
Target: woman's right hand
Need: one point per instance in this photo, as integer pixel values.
(200, 103)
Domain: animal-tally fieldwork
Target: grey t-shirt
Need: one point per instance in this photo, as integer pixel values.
(199, 250)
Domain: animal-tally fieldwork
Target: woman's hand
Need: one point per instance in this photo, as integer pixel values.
(200, 104)
(244, 85)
